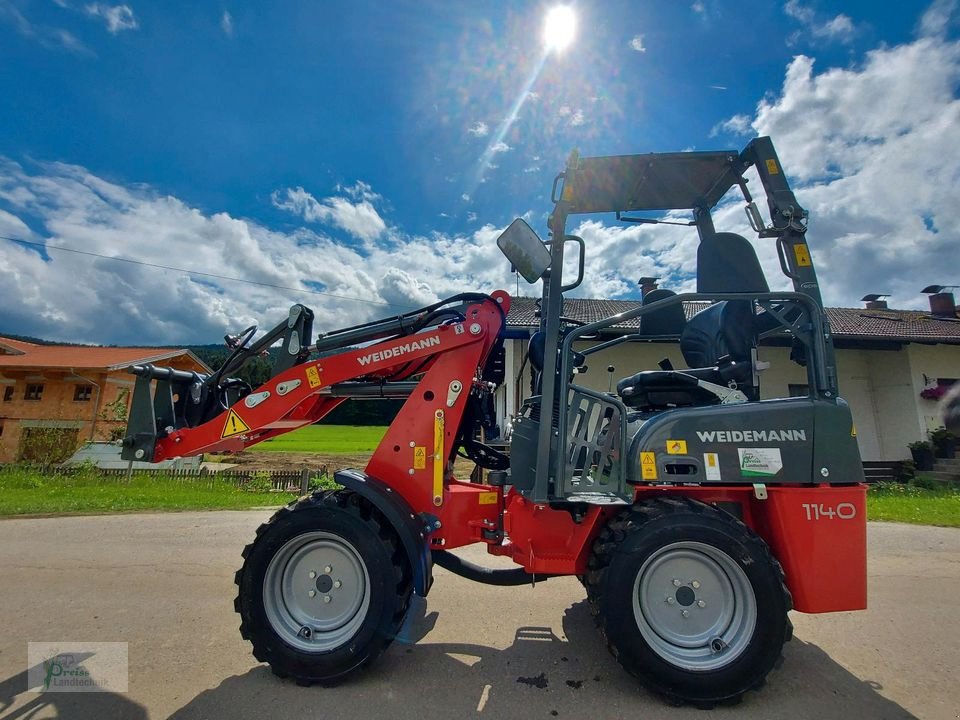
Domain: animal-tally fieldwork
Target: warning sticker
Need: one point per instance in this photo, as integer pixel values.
(802, 253)
(648, 465)
(419, 457)
(313, 376)
(677, 447)
(711, 466)
(760, 462)
(234, 425)
(487, 498)
(772, 167)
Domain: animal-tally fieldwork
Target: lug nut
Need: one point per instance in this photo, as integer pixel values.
(337, 584)
(701, 604)
(670, 601)
(311, 593)
(312, 574)
(328, 569)
(676, 583)
(696, 584)
(685, 613)
(327, 598)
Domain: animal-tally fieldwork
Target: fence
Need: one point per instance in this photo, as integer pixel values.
(293, 481)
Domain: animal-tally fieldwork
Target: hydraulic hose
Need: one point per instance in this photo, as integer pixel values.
(485, 575)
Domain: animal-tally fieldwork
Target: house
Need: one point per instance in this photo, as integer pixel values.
(55, 397)
(892, 364)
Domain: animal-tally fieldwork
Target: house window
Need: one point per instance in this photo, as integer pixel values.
(33, 392)
(82, 393)
(798, 390)
(8, 393)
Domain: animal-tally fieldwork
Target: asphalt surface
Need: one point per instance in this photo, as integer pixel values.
(164, 584)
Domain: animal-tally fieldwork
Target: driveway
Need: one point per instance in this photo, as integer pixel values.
(164, 584)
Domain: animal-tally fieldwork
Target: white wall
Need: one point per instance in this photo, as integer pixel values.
(933, 361)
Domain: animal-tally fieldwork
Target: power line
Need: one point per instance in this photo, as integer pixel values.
(144, 263)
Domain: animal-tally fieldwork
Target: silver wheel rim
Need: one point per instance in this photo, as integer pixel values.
(694, 606)
(316, 592)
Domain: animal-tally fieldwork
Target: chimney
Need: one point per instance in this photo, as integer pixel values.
(875, 301)
(647, 285)
(942, 303)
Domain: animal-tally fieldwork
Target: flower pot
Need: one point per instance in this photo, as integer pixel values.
(945, 447)
(922, 458)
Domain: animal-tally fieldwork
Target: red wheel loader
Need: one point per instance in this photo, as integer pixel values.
(695, 513)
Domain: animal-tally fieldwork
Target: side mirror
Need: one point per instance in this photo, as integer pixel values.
(524, 249)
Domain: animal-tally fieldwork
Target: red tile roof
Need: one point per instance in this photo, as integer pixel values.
(851, 323)
(17, 353)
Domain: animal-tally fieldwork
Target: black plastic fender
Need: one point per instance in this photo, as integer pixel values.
(409, 527)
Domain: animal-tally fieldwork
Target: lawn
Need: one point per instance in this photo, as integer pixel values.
(328, 439)
(25, 491)
(911, 504)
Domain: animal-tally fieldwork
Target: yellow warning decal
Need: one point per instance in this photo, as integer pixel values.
(234, 425)
(772, 167)
(648, 465)
(677, 447)
(313, 376)
(438, 459)
(802, 253)
(419, 457)
(487, 498)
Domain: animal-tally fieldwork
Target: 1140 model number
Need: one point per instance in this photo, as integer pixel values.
(841, 511)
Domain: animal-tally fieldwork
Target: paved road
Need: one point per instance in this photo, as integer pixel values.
(163, 583)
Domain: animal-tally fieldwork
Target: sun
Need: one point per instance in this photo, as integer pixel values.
(559, 28)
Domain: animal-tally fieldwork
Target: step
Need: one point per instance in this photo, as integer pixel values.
(948, 462)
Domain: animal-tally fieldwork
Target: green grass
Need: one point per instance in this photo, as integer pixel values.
(894, 502)
(26, 491)
(329, 439)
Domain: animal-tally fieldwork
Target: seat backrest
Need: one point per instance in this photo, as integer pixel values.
(723, 329)
(665, 321)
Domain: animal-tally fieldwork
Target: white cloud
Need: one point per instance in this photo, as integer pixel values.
(49, 37)
(500, 147)
(471, 216)
(736, 125)
(938, 18)
(637, 44)
(839, 28)
(465, 197)
(577, 118)
(123, 303)
(226, 23)
(117, 17)
(479, 129)
(867, 147)
(699, 8)
(360, 219)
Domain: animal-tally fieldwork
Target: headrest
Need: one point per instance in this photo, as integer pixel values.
(666, 321)
(727, 263)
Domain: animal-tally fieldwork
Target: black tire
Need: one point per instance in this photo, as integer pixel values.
(272, 597)
(646, 553)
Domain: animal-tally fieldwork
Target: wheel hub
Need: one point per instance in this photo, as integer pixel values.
(316, 591)
(694, 606)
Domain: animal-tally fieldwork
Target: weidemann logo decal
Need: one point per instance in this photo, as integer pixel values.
(730, 436)
(399, 350)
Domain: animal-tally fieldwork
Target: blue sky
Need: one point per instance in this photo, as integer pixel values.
(354, 148)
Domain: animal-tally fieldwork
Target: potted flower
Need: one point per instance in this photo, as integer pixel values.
(944, 442)
(922, 452)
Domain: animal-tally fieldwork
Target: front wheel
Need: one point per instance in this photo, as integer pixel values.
(323, 588)
(690, 600)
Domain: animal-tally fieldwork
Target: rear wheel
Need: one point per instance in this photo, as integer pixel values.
(690, 600)
(323, 588)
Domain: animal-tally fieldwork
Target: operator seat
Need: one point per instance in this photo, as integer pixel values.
(717, 342)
